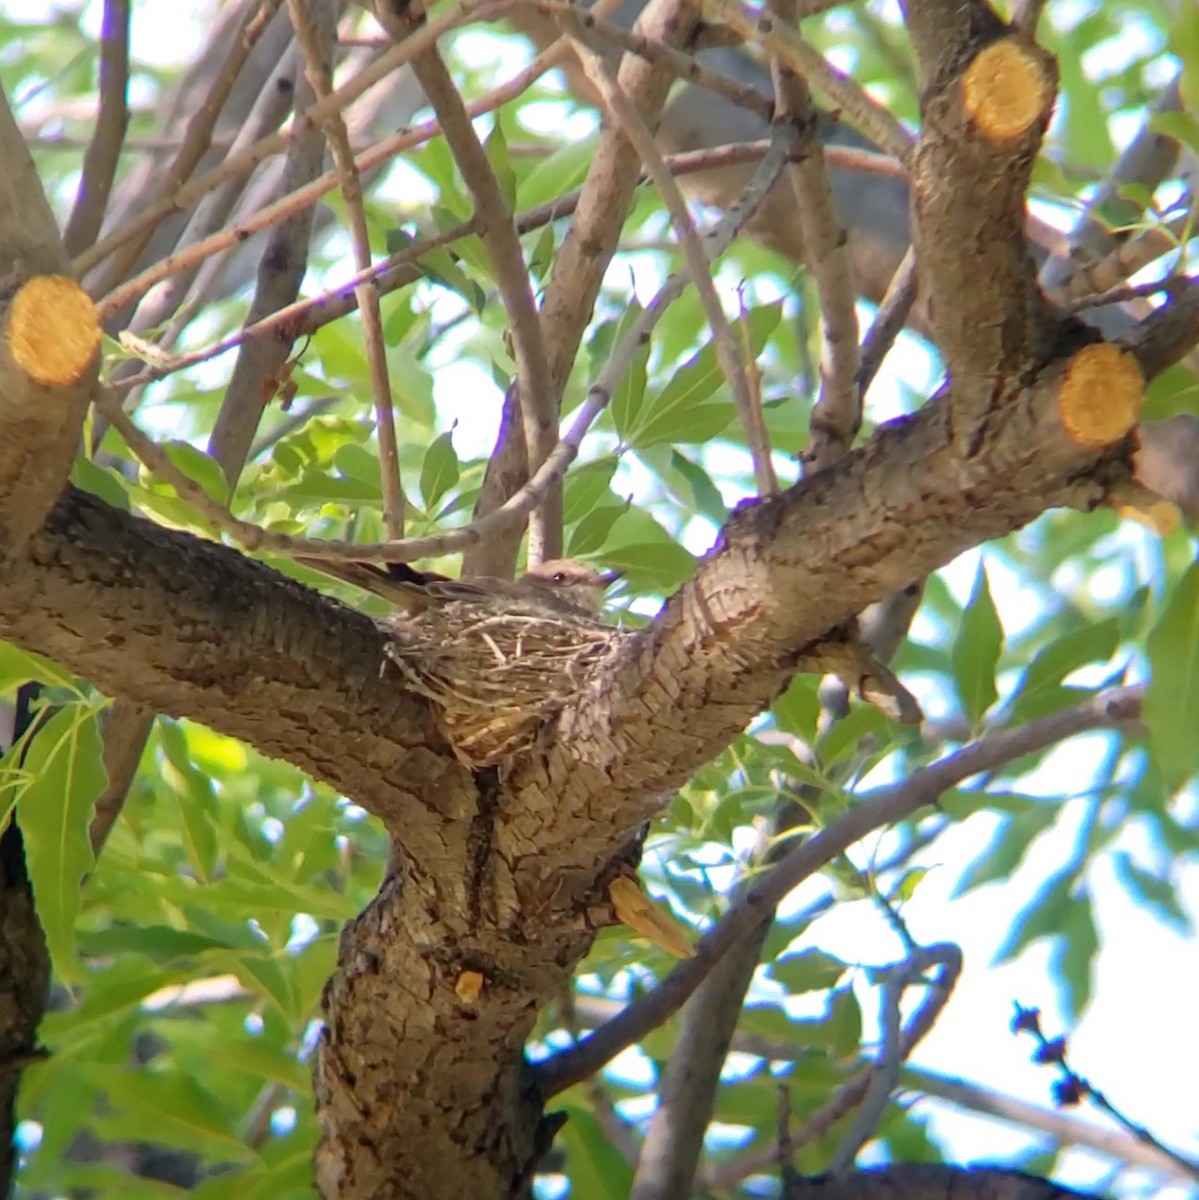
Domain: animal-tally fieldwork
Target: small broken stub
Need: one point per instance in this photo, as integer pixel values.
(468, 987)
(1100, 398)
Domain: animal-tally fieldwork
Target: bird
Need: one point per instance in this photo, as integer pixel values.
(556, 587)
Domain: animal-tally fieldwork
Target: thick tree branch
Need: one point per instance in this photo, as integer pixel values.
(985, 103)
(191, 628)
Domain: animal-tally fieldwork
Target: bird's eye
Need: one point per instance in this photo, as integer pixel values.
(559, 576)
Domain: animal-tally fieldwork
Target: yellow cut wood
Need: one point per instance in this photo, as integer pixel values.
(650, 920)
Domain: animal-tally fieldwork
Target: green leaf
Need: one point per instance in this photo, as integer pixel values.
(585, 487)
(797, 710)
(1151, 891)
(441, 267)
(199, 468)
(563, 170)
(629, 393)
(1171, 708)
(705, 495)
(1008, 845)
(195, 799)
(1073, 957)
(541, 260)
(159, 943)
(597, 1169)
(683, 411)
(439, 471)
(590, 534)
(844, 1023)
(65, 766)
(1039, 687)
(21, 666)
(976, 650)
(808, 971)
(653, 559)
(1184, 42)
(177, 1108)
(1044, 915)
(496, 147)
(101, 481)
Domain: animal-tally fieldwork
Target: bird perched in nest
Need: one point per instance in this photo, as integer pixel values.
(559, 586)
(497, 658)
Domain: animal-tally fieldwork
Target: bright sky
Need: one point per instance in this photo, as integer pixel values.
(1137, 1040)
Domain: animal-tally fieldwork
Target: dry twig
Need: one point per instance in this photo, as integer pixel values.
(728, 349)
(104, 150)
(320, 78)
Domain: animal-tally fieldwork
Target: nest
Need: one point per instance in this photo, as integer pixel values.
(495, 676)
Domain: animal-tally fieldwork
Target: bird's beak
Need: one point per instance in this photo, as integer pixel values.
(608, 578)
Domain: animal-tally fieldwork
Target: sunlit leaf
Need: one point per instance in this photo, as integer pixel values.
(977, 648)
(65, 771)
(1172, 698)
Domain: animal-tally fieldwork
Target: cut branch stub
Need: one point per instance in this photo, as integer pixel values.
(1005, 90)
(1100, 397)
(52, 331)
(984, 110)
(48, 341)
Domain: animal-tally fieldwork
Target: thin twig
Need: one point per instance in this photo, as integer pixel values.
(539, 397)
(262, 363)
(320, 77)
(890, 319)
(779, 39)
(679, 63)
(307, 316)
(1071, 1087)
(1122, 295)
(581, 262)
(104, 150)
(728, 349)
(181, 198)
(866, 1087)
(1145, 162)
(1129, 257)
(196, 139)
(1026, 14)
(1108, 710)
(515, 508)
(837, 414)
(897, 1044)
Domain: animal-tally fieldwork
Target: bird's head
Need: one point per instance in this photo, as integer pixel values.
(578, 583)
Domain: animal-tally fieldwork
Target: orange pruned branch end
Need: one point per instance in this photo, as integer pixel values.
(640, 913)
(1100, 398)
(1005, 90)
(52, 330)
